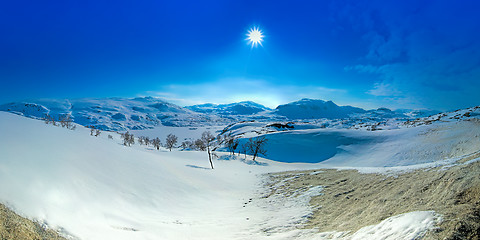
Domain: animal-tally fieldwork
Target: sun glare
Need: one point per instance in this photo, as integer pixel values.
(254, 36)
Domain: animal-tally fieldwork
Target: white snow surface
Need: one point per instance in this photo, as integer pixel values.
(407, 226)
(96, 188)
(404, 226)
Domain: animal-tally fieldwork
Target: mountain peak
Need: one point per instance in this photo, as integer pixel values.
(315, 108)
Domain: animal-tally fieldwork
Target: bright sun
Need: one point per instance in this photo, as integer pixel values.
(254, 36)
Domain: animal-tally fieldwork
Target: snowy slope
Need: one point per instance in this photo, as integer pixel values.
(95, 188)
(472, 114)
(98, 189)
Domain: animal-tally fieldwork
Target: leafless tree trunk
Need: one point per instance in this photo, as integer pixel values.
(207, 139)
(257, 146)
(244, 147)
(156, 143)
(231, 143)
(171, 141)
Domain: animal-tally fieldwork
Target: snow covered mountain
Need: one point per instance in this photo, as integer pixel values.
(240, 108)
(139, 113)
(110, 113)
(314, 109)
(120, 114)
(310, 109)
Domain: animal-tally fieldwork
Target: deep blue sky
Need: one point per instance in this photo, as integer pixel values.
(398, 54)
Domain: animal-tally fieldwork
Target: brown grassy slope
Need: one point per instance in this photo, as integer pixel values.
(13, 226)
(352, 200)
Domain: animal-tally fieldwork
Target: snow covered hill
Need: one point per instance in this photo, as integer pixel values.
(111, 113)
(120, 114)
(314, 109)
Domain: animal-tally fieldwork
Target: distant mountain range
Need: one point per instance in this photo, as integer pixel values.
(110, 113)
(140, 113)
(240, 108)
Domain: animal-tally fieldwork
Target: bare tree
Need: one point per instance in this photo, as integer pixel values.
(46, 118)
(156, 143)
(171, 141)
(144, 140)
(128, 139)
(257, 146)
(231, 143)
(184, 145)
(221, 139)
(66, 121)
(124, 137)
(243, 148)
(140, 140)
(62, 120)
(92, 130)
(49, 119)
(200, 145)
(187, 145)
(208, 139)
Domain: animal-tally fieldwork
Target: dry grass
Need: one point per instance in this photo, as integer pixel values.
(352, 200)
(13, 226)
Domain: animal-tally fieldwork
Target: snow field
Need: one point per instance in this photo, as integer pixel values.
(96, 188)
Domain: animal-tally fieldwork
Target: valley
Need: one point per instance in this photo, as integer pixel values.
(406, 179)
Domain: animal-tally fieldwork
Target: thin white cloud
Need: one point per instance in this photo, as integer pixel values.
(229, 90)
(383, 89)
